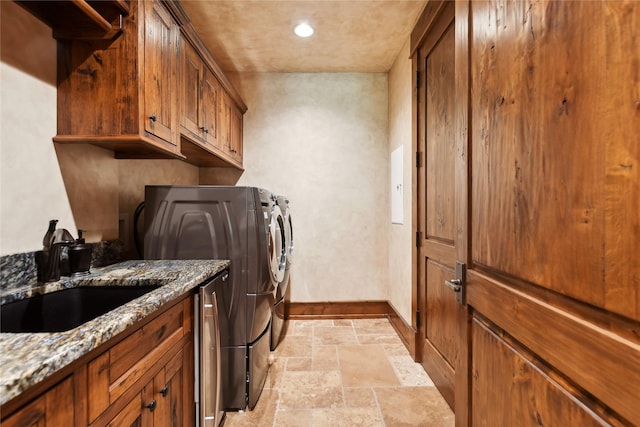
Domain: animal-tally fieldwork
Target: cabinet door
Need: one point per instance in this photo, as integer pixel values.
(54, 408)
(230, 140)
(168, 387)
(235, 134)
(159, 71)
(225, 123)
(210, 100)
(191, 87)
(139, 412)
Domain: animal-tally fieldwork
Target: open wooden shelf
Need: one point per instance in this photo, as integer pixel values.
(80, 19)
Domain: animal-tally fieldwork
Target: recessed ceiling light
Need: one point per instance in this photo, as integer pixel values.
(303, 30)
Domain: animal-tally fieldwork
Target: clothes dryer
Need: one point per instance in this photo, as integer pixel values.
(235, 223)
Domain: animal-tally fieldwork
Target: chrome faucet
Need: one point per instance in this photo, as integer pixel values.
(48, 259)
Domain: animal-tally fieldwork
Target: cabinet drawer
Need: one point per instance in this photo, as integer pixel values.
(113, 372)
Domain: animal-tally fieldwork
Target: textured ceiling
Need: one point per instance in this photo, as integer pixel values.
(350, 35)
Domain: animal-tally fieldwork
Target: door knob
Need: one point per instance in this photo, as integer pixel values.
(454, 284)
(458, 285)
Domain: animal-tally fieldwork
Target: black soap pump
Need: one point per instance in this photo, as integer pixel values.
(47, 240)
(79, 257)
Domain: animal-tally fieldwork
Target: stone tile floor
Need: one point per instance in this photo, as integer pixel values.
(332, 373)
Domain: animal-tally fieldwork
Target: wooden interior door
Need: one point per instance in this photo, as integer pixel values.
(437, 204)
(553, 284)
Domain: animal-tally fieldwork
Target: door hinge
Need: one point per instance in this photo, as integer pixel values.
(459, 284)
(418, 238)
(418, 319)
(418, 159)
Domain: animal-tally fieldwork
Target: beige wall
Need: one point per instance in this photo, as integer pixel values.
(31, 184)
(321, 139)
(400, 135)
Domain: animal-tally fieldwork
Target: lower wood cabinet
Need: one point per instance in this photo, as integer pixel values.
(160, 401)
(55, 407)
(142, 377)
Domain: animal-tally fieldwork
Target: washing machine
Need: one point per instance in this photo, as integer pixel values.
(244, 225)
(280, 316)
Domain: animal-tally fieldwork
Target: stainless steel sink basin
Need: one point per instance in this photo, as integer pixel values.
(66, 309)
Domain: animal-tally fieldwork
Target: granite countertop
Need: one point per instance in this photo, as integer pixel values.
(28, 358)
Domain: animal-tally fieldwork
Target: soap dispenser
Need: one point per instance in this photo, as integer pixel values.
(79, 257)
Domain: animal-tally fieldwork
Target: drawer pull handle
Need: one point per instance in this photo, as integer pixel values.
(152, 406)
(164, 391)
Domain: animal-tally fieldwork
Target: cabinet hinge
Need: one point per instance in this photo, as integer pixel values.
(417, 79)
(418, 159)
(417, 319)
(418, 238)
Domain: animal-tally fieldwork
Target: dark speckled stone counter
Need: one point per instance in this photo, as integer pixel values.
(28, 358)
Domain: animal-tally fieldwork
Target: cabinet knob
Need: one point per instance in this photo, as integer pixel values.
(164, 391)
(153, 117)
(204, 129)
(151, 406)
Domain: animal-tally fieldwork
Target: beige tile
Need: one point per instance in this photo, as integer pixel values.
(327, 335)
(325, 397)
(373, 326)
(298, 364)
(379, 339)
(325, 358)
(397, 349)
(276, 368)
(305, 327)
(323, 377)
(421, 406)
(365, 366)
(297, 380)
(361, 397)
(342, 322)
(294, 346)
(347, 417)
(293, 418)
(262, 415)
(311, 389)
(409, 372)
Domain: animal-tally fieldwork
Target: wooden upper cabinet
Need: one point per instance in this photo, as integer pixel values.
(153, 92)
(230, 128)
(122, 95)
(80, 19)
(211, 92)
(210, 118)
(199, 95)
(191, 67)
(235, 134)
(160, 62)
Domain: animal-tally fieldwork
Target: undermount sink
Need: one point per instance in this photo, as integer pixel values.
(65, 309)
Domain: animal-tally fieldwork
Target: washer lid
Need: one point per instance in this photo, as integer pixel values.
(277, 252)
